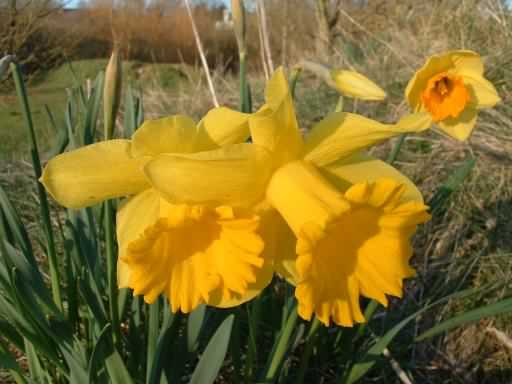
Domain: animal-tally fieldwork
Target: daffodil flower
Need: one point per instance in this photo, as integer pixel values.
(452, 88)
(192, 253)
(352, 215)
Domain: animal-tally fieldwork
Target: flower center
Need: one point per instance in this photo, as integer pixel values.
(445, 96)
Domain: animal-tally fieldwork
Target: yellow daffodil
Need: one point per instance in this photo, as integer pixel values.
(352, 215)
(195, 253)
(451, 86)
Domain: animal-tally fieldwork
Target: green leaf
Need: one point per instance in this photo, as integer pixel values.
(16, 226)
(103, 343)
(34, 365)
(499, 308)
(93, 108)
(373, 354)
(62, 139)
(211, 361)
(194, 325)
(105, 351)
(10, 332)
(31, 276)
(163, 353)
(41, 341)
(130, 122)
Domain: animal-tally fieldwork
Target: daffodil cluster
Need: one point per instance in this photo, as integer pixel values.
(211, 218)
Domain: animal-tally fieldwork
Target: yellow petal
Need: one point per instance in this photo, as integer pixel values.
(354, 84)
(222, 126)
(483, 93)
(275, 127)
(135, 215)
(174, 134)
(194, 255)
(467, 62)
(360, 168)
(462, 126)
(233, 175)
(94, 173)
(449, 61)
(342, 134)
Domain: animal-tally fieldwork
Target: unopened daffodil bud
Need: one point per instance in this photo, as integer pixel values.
(238, 12)
(112, 92)
(347, 83)
(353, 84)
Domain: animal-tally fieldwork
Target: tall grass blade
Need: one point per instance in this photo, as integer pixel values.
(499, 308)
(43, 200)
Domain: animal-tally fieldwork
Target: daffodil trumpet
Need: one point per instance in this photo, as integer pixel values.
(452, 88)
(348, 217)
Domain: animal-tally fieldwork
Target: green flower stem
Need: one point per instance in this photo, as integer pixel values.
(282, 345)
(153, 331)
(43, 199)
(396, 149)
(368, 314)
(310, 344)
(111, 272)
(245, 104)
(294, 77)
(253, 316)
(339, 105)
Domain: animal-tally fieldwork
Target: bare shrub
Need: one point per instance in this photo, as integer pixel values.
(29, 33)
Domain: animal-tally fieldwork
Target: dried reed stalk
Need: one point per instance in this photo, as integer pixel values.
(201, 54)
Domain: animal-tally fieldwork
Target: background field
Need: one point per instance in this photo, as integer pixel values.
(469, 242)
